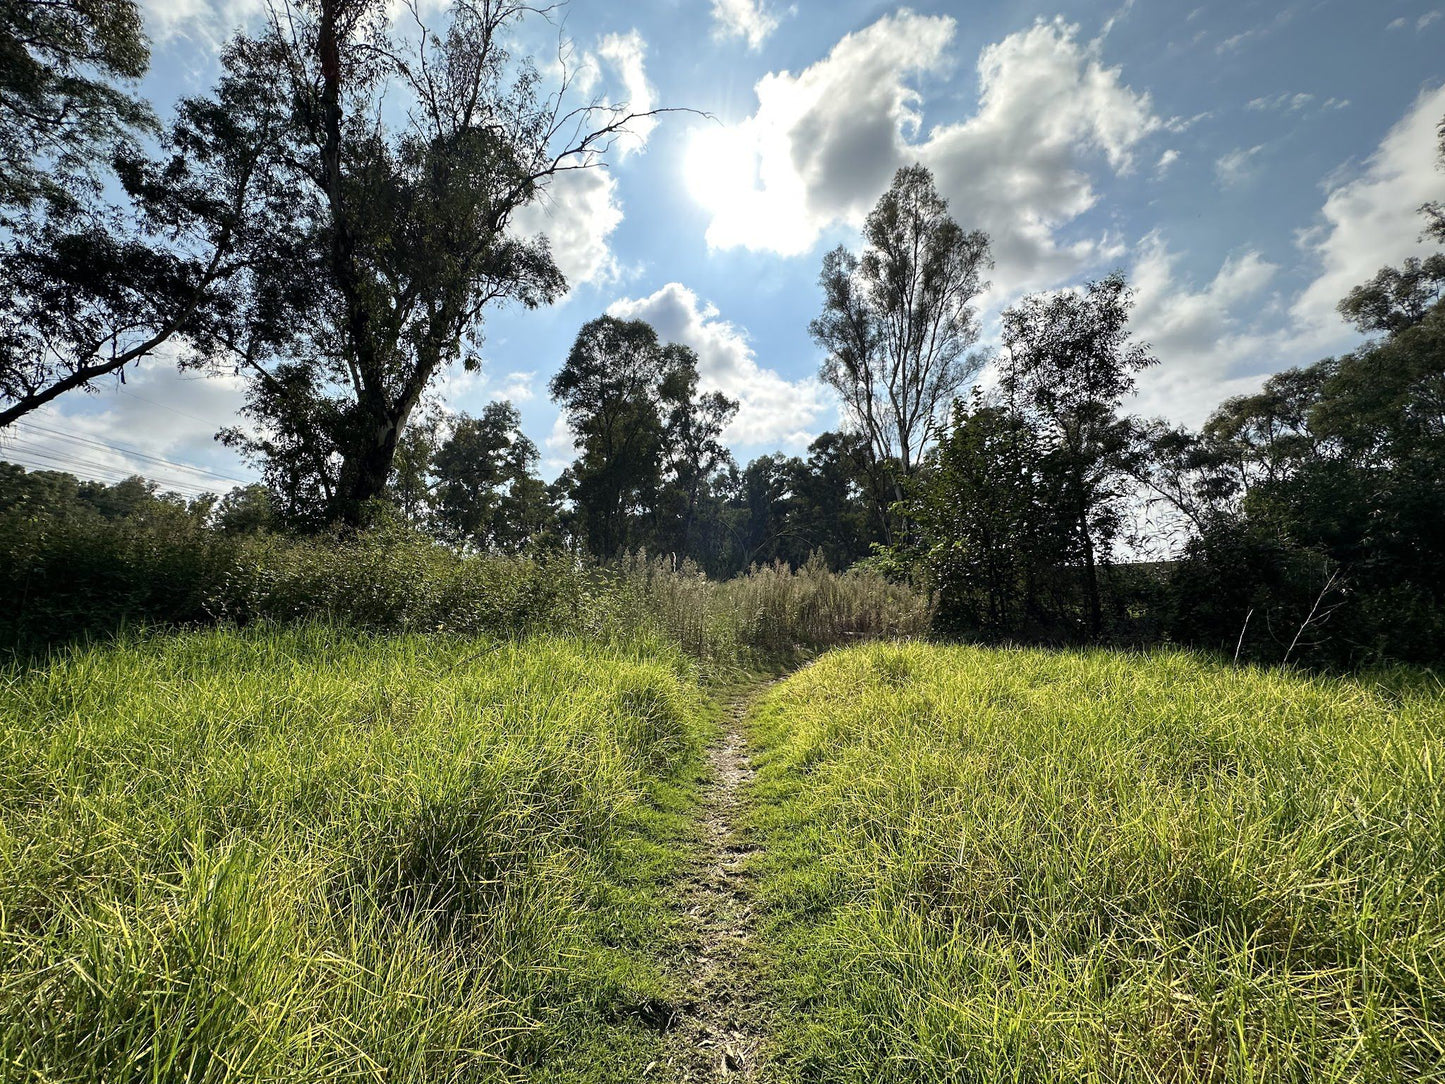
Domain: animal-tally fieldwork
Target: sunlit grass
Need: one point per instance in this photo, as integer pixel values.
(1032, 866)
(312, 855)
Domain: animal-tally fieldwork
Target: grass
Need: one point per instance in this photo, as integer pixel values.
(1028, 866)
(323, 855)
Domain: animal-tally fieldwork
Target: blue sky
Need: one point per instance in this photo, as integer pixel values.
(1244, 163)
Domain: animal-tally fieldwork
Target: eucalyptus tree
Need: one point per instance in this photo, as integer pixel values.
(407, 148)
(898, 321)
(106, 254)
(648, 441)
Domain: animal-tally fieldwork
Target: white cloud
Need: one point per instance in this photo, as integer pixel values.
(580, 209)
(577, 213)
(772, 410)
(158, 412)
(1397, 24)
(211, 21)
(1197, 334)
(1167, 159)
(823, 144)
(1237, 166)
(1373, 219)
(561, 444)
(1285, 102)
(751, 20)
(626, 54)
(1428, 18)
(516, 387)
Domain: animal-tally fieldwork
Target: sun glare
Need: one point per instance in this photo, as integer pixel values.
(719, 166)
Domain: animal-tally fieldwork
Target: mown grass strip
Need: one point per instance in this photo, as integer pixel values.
(320, 855)
(1093, 866)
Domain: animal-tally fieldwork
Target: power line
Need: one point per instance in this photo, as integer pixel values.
(126, 450)
(49, 459)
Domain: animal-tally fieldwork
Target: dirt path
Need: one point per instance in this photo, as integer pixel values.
(719, 1034)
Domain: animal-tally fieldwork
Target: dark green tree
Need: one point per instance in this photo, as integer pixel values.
(649, 442)
(486, 490)
(1067, 364)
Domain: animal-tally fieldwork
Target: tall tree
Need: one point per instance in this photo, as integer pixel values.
(487, 493)
(1068, 362)
(87, 288)
(648, 440)
(408, 152)
(898, 321)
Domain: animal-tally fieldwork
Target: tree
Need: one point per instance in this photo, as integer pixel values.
(1068, 362)
(989, 530)
(897, 322)
(1396, 298)
(648, 441)
(87, 288)
(406, 156)
(62, 114)
(486, 491)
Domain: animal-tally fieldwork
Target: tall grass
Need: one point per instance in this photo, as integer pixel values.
(770, 615)
(1033, 867)
(320, 855)
(70, 580)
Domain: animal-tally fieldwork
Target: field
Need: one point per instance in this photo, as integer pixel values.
(317, 854)
(314, 854)
(1030, 866)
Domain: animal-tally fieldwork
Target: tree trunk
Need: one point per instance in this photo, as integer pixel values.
(365, 472)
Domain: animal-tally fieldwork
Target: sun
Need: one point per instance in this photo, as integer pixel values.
(719, 167)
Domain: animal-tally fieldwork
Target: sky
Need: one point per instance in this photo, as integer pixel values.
(1244, 163)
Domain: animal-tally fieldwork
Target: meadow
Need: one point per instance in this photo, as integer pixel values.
(317, 854)
(1030, 866)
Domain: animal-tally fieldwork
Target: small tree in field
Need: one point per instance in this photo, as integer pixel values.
(897, 321)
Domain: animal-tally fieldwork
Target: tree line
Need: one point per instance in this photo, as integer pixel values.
(335, 217)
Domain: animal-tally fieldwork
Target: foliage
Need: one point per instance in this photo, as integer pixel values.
(82, 560)
(649, 443)
(1064, 866)
(61, 111)
(316, 855)
(897, 322)
(397, 226)
(1335, 514)
(1024, 500)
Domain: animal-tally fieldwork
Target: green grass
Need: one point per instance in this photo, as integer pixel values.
(1032, 866)
(319, 855)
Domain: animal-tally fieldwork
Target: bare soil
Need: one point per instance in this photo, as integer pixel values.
(718, 1034)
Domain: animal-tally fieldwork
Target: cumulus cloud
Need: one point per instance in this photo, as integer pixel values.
(516, 387)
(823, 144)
(580, 209)
(1373, 220)
(577, 214)
(772, 410)
(750, 20)
(1198, 334)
